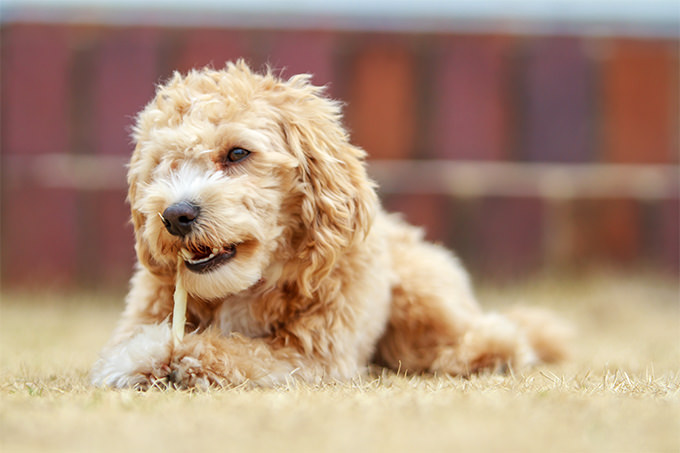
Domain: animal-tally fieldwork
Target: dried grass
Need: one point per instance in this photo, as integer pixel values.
(619, 392)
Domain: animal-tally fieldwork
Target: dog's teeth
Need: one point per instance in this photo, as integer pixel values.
(188, 256)
(207, 258)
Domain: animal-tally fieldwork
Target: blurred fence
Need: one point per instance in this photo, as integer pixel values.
(602, 112)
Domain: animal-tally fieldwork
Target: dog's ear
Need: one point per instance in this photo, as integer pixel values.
(138, 171)
(338, 199)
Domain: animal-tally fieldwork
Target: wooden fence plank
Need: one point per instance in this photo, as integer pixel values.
(640, 103)
(558, 120)
(201, 47)
(508, 236)
(471, 118)
(382, 102)
(304, 52)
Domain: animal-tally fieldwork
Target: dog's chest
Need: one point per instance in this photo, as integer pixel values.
(235, 316)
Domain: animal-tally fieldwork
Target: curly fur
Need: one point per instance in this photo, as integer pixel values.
(323, 282)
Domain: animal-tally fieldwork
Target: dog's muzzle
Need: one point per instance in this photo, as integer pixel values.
(180, 219)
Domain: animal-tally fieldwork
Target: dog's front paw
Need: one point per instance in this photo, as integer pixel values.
(140, 362)
(158, 377)
(188, 373)
(195, 364)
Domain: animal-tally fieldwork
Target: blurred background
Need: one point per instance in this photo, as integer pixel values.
(528, 135)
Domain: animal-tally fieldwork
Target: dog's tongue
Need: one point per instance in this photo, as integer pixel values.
(201, 255)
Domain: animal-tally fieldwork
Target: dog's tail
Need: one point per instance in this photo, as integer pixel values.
(550, 336)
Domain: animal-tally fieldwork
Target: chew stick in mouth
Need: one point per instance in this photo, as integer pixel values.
(179, 312)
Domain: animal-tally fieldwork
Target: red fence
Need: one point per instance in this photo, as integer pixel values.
(72, 90)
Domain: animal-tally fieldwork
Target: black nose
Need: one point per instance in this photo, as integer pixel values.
(179, 218)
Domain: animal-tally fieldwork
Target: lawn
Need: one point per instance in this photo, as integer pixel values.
(619, 392)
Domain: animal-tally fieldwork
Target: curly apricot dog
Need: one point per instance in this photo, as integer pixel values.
(293, 271)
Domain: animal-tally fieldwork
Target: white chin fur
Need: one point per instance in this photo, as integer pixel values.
(230, 278)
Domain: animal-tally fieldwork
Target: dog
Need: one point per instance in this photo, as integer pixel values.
(245, 187)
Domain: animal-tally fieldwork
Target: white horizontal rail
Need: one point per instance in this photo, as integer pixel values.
(514, 179)
(66, 171)
(442, 177)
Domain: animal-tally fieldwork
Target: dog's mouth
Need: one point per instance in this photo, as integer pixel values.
(202, 258)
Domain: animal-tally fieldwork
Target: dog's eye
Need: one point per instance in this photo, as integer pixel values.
(237, 154)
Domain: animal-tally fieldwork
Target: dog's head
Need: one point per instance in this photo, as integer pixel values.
(245, 178)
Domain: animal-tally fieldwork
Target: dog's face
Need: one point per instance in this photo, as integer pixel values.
(239, 178)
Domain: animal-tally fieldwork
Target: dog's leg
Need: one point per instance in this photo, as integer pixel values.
(426, 334)
(209, 358)
(492, 342)
(435, 324)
